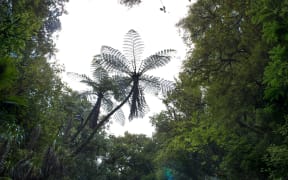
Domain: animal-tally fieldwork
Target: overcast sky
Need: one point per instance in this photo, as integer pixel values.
(93, 23)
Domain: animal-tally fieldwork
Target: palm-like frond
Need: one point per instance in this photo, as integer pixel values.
(100, 74)
(107, 104)
(79, 77)
(84, 79)
(133, 48)
(87, 94)
(155, 84)
(119, 117)
(129, 71)
(102, 87)
(129, 76)
(111, 60)
(123, 83)
(156, 60)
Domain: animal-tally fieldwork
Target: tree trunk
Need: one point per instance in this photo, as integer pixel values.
(92, 117)
(101, 123)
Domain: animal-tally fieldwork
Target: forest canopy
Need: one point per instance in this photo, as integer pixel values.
(226, 115)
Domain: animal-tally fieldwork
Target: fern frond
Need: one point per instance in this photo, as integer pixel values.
(85, 79)
(119, 117)
(156, 60)
(89, 94)
(122, 83)
(107, 104)
(99, 73)
(111, 60)
(155, 84)
(79, 77)
(133, 48)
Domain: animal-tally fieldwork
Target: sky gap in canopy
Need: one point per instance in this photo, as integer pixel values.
(93, 23)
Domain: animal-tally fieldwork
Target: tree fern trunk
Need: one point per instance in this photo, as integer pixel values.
(92, 117)
(101, 123)
(95, 113)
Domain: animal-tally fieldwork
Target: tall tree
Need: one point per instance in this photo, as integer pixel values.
(103, 88)
(30, 89)
(130, 67)
(271, 17)
(226, 104)
(129, 73)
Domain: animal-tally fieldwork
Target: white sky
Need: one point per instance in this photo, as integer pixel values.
(93, 23)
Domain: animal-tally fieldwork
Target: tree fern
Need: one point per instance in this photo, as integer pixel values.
(131, 65)
(127, 70)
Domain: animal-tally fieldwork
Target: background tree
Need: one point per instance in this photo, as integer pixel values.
(129, 157)
(103, 88)
(30, 89)
(270, 16)
(224, 105)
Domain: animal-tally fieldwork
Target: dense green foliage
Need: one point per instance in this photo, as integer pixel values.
(227, 117)
(31, 93)
(128, 157)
